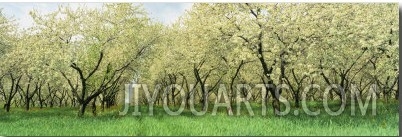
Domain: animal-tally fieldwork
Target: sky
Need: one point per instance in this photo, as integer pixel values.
(166, 13)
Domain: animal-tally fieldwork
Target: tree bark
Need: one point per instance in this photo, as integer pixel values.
(81, 112)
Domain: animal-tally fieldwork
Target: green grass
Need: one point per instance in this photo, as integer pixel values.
(63, 121)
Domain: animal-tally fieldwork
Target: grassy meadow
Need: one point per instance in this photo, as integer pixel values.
(63, 121)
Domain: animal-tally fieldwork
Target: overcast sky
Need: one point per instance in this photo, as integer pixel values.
(166, 13)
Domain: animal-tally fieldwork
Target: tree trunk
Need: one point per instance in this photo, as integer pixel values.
(40, 99)
(32, 102)
(204, 101)
(73, 103)
(82, 109)
(7, 106)
(60, 102)
(65, 103)
(27, 103)
(51, 103)
(173, 100)
(281, 78)
(188, 100)
(94, 106)
(397, 90)
(103, 101)
(41, 103)
(297, 99)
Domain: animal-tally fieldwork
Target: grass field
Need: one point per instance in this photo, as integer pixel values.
(63, 121)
